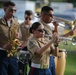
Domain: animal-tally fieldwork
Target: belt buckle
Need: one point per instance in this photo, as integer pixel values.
(43, 66)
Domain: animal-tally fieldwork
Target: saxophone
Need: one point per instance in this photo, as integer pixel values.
(13, 51)
(14, 43)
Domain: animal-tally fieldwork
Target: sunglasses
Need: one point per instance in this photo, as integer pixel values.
(12, 10)
(41, 30)
(28, 18)
(51, 15)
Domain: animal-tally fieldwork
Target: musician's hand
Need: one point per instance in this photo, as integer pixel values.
(19, 48)
(7, 46)
(17, 35)
(72, 32)
(55, 23)
(55, 38)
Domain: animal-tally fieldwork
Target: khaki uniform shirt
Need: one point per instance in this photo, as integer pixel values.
(48, 31)
(33, 45)
(7, 33)
(47, 28)
(25, 34)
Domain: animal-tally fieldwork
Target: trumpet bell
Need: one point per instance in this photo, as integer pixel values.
(74, 40)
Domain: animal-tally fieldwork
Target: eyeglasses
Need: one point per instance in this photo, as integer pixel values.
(41, 30)
(12, 10)
(28, 18)
(51, 15)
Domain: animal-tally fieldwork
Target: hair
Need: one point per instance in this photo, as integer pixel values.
(34, 26)
(8, 3)
(46, 9)
(28, 12)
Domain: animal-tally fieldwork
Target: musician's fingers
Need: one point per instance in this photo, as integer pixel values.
(55, 37)
(55, 23)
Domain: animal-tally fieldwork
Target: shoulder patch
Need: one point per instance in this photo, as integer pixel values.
(31, 43)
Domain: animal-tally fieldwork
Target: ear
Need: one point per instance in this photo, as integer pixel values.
(44, 15)
(32, 31)
(5, 9)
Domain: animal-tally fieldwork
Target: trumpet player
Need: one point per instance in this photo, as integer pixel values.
(40, 50)
(46, 17)
(8, 32)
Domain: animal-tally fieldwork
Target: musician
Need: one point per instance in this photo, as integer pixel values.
(47, 15)
(8, 32)
(25, 35)
(24, 28)
(45, 18)
(40, 50)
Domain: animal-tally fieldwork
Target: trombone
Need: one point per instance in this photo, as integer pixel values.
(71, 23)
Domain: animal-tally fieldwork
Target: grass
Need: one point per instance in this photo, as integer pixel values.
(69, 46)
(70, 64)
(70, 59)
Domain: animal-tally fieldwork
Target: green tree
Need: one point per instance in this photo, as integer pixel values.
(1, 3)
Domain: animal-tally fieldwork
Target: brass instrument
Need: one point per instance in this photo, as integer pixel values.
(71, 23)
(14, 43)
(73, 40)
(13, 51)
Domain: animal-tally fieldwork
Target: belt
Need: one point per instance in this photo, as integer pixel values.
(39, 66)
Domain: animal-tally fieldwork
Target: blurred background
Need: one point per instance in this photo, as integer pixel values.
(64, 9)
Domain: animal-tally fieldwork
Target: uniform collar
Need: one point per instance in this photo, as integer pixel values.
(4, 21)
(24, 24)
(41, 39)
(43, 22)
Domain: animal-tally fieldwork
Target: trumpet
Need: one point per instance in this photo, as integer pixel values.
(72, 23)
(73, 39)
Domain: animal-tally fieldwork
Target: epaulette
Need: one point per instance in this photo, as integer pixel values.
(16, 20)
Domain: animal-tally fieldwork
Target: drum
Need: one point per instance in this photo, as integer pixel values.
(23, 60)
(24, 56)
(61, 62)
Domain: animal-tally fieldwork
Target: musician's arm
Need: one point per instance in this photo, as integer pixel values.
(70, 33)
(55, 51)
